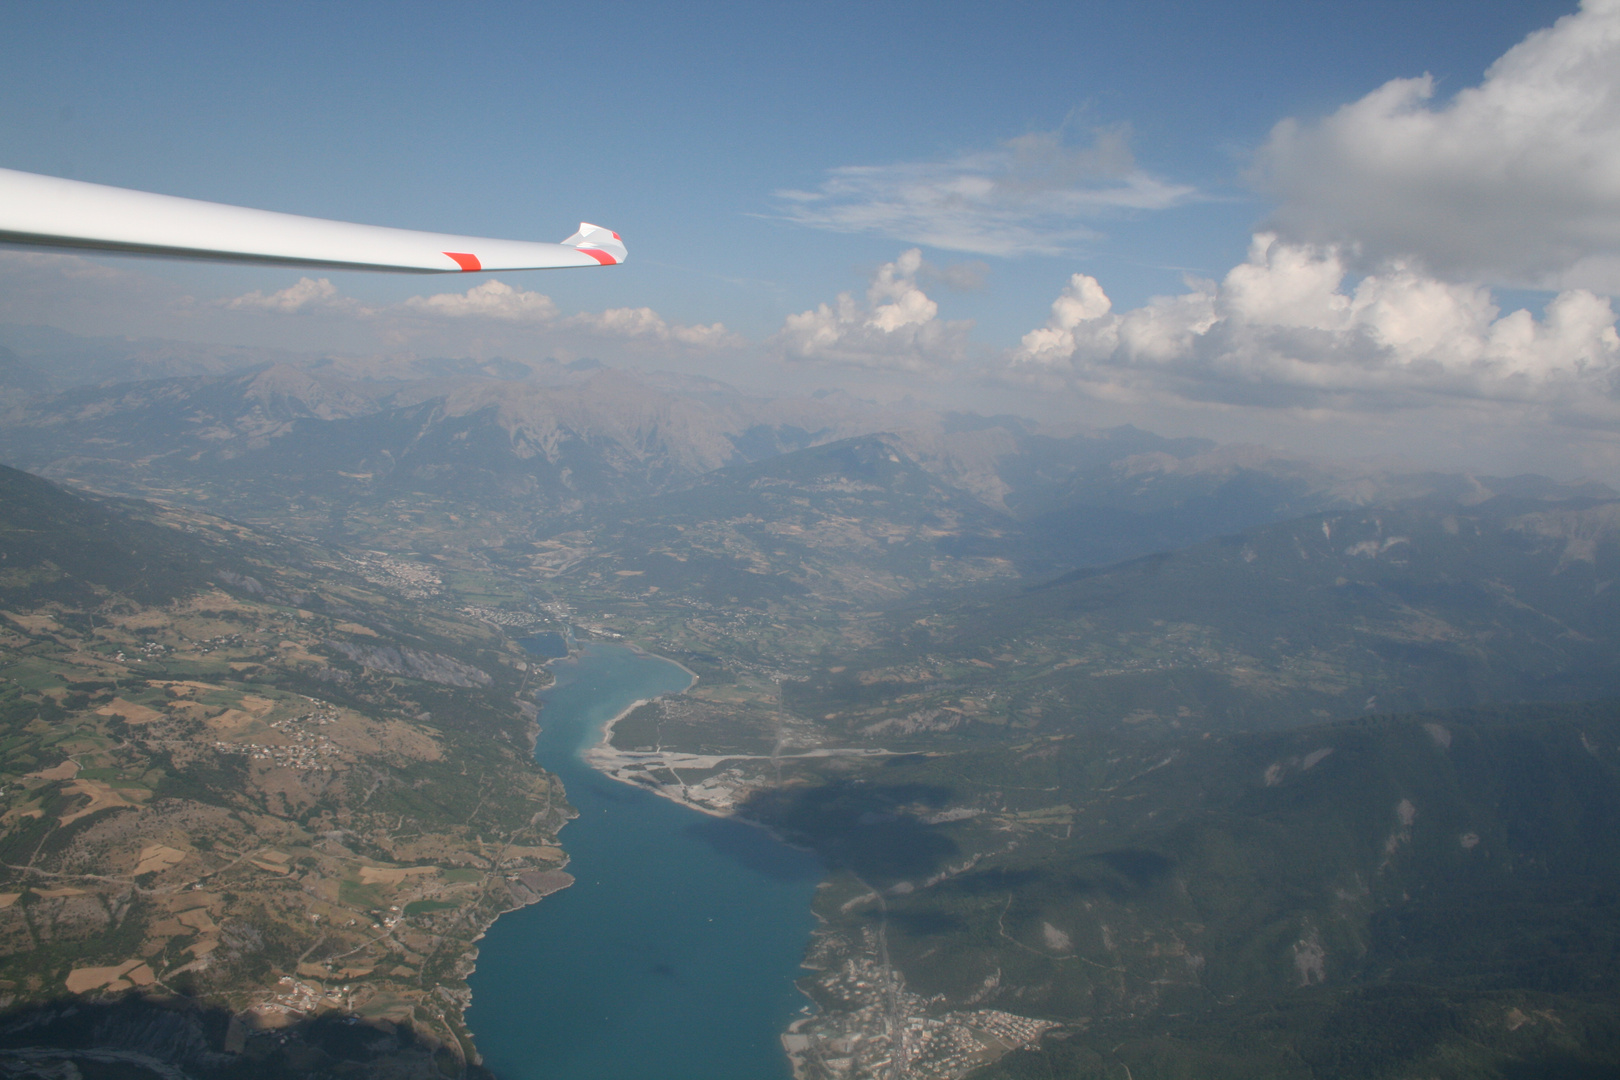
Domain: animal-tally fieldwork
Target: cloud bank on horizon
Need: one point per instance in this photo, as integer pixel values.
(1284, 329)
(492, 301)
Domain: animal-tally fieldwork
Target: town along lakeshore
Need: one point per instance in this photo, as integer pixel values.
(674, 953)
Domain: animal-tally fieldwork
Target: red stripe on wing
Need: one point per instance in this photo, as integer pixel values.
(600, 256)
(468, 263)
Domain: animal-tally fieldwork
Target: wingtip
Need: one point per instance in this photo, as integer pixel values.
(603, 245)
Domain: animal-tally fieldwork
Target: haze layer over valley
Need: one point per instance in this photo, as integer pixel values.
(1120, 750)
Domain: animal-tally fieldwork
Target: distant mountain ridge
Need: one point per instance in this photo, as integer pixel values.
(336, 438)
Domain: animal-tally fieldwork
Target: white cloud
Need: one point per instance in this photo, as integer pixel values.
(898, 327)
(1030, 195)
(486, 300)
(644, 322)
(485, 309)
(1285, 328)
(306, 296)
(489, 300)
(1516, 180)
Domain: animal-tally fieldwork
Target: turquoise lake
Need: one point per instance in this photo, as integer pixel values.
(548, 644)
(674, 953)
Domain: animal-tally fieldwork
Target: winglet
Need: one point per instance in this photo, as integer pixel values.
(601, 244)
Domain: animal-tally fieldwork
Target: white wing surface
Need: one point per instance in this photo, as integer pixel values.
(45, 211)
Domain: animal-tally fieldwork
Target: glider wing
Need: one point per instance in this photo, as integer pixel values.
(45, 211)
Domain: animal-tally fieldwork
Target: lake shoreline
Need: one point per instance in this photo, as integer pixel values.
(636, 944)
(608, 760)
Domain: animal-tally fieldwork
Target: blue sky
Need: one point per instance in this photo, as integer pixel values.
(761, 159)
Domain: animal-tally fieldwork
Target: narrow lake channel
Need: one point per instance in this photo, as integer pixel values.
(674, 953)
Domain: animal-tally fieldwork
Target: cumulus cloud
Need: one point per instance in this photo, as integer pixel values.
(644, 322)
(1030, 195)
(489, 300)
(1286, 328)
(307, 296)
(483, 308)
(1516, 180)
(897, 328)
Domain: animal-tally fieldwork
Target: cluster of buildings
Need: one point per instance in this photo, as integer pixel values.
(511, 620)
(309, 749)
(293, 999)
(410, 579)
(882, 1031)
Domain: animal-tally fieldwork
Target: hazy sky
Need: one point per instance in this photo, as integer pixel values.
(1306, 223)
